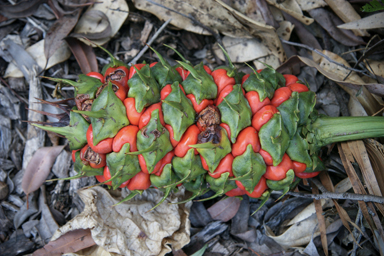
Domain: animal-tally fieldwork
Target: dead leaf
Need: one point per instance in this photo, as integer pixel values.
(208, 12)
(95, 26)
(84, 54)
(309, 5)
(292, 8)
(241, 49)
(377, 66)
(354, 82)
(21, 9)
(72, 241)
(116, 13)
(285, 30)
(376, 155)
(94, 251)
(224, 210)
(370, 22)
(329, 22)
(37, 53)
(249, 8)
(39, 167)
(298, 234)
(346, 13)
(321, 220)
(129, 228)
(355, 108)
(57, 32)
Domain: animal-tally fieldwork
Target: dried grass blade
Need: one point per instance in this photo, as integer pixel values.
(320, 218)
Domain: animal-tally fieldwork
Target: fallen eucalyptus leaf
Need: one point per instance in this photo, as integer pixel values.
(241, 49)
(84, 54)
(39, 167)
(21, 9)
(72, 241)
(37, 53)
(292, 8)
(209, 13)
(129, 228)
(370, 22)
(57, 32)
(285, 30)
(115, 12)
(309, 5)
(224, 210)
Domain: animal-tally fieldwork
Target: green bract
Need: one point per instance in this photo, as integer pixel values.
(164, 73)
(153, 141)
(188, 166)
(178, 111)
(199, 83)
(255, 82)
(248, 168)
(235, 111)
(144, 88)
(108, 115)
(274, 138)
(289, 111)
(123, 165)
(75, 132)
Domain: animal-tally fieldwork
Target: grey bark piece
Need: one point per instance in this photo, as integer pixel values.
(47, 225)
(240, 221)
(62, 164)
(199, 216)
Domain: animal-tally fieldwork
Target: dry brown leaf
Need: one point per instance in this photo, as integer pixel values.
(21, 9)
(370, 22)
(376, 65)
(37, 53)
(224, 210)
(321, 220)
(208, 12)
(346, 13)
(355, 108)
(84, 54)
(72, 241)
(116, 12)
(334, 74)
(376, 155)
(285, 30)
(93, 251)
(60, 29)
(130, 228)
(306, 5)
(292, 8)
(93, 25)
(241, 49)
(271, 60)
(39, 167)
(250, 9)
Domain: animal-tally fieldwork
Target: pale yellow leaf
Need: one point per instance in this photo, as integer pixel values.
(309, 5)
(346, 13)
(370, 22)
(285, 30)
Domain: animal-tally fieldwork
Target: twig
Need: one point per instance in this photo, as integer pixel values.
(138, 56)
(331, 195)
(325, 56)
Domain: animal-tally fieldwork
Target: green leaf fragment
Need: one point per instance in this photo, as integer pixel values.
(256, 82)
(274, 138)
(178, 111)
(144, 88)
(235, 111)
(188, 166)
(126, 165)
(289, 110)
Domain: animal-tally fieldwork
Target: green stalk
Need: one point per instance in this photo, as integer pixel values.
(327, 130)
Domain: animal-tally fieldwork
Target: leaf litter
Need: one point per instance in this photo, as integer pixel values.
(251, 33)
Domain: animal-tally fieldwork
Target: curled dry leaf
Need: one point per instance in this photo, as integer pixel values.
(332, 72)
(249, 8)
(39, 167)
(241, 49)
(224, 210)
(129, 228)
(115, 12)
(370, 22)
(208, 12)
(37, 53)
(298, 234)
(292, 8)
(346, 13)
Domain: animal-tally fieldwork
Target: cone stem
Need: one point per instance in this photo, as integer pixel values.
(327, 130)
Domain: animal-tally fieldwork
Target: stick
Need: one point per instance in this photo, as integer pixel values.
(138, 56)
